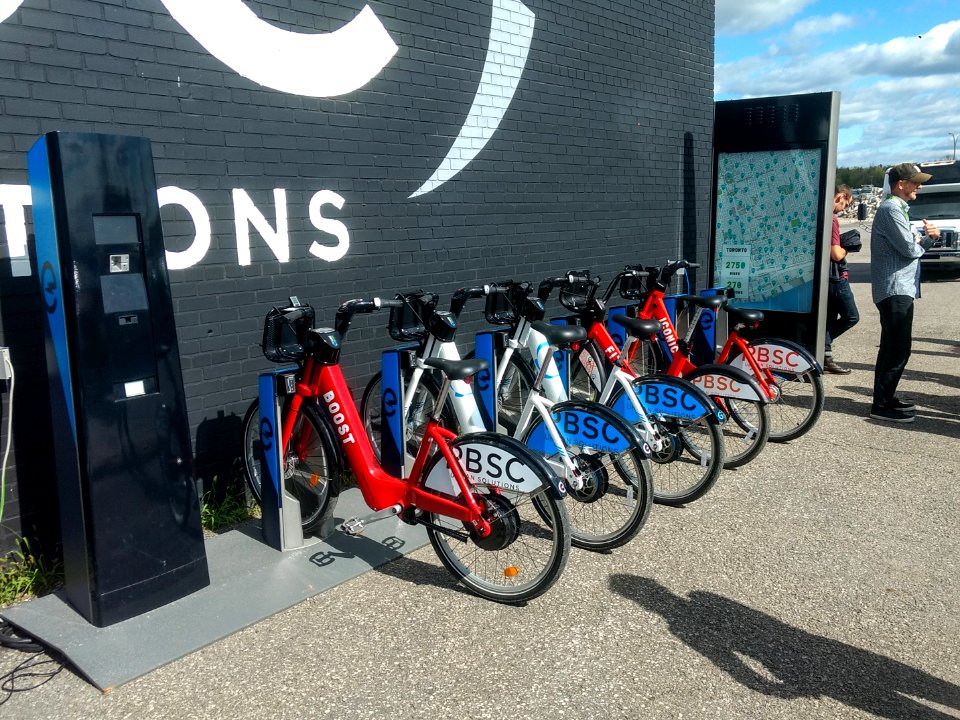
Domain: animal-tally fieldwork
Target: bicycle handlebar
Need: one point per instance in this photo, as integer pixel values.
(461, 296)
(350, 308)
(292, 314)
(575, 276)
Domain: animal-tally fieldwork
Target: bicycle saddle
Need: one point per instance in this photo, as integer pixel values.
(711, 302)
(457, 369)
(744, 315)
(638, 327)
(560, 335)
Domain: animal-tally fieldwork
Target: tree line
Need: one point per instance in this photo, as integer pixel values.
(859, 176)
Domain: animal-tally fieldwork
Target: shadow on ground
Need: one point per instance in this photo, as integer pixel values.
(774, 658)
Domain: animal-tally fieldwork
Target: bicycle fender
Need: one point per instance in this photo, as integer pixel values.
(587, 425)
(491, 459)
(670, 397)
(726, 381)
(779, 355)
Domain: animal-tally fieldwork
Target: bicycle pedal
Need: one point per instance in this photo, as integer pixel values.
(355, 526)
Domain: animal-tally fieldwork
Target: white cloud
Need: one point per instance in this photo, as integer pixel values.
(803, 72)
(900, 99)
(739, 17)
(820, 25)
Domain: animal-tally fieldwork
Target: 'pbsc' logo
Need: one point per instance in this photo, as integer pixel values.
(339, 62)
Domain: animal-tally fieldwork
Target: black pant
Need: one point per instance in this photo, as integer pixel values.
(842, 313)
(896, 336)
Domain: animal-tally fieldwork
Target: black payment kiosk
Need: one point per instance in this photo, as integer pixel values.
(129, 512)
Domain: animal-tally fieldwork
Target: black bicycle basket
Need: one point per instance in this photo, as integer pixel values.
(632, 287)
(284, 333)
(409, 322)
(576, 296)
(501, 308)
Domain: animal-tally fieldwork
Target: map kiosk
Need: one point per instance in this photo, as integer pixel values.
(774, 173)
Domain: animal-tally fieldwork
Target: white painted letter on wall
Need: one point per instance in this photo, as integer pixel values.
(201, 222)
(245, 213)
(334, 227)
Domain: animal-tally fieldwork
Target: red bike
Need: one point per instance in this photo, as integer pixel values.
(743, 404)
(789, 376)
(492, 509)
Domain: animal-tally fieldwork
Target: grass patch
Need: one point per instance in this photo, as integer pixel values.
(217, 514)
(25, 574)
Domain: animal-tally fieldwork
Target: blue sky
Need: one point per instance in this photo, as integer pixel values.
(896, 65)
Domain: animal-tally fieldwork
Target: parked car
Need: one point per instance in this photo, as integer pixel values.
(939, 202)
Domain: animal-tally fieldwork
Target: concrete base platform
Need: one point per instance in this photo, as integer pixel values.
(249, 581)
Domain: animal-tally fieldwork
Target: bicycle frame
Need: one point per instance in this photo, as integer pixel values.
(654, 308)
(762, 373)
(554, 390)
(380, 490)
(468, 410)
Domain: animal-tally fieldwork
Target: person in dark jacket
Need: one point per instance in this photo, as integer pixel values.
(842, 313)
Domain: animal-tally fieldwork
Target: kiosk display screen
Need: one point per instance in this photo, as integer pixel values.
(767, 221)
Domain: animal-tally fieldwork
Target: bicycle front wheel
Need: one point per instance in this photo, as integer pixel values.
(646, 357)
(311, 467)
(513, 391)
(616, 497)
(586, 372)
(371, 410)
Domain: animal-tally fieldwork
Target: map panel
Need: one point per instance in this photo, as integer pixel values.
(766, 232)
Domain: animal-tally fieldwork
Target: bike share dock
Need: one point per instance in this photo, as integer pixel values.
(249, 581)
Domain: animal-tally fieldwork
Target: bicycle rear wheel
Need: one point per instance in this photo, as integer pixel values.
(616, 497)
(798, 403)
(689, 459)
(745, 429)
(798, 406)
(523, 556)
(311, 466)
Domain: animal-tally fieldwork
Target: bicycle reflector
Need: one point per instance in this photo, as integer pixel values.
(511, 571)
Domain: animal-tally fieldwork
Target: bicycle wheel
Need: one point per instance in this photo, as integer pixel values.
(523, 556)
(513, 391)
(686, 456)
(371, 411)
(586, 373)
(311, 467)
(648, 358)
(798, 406)
(798, 403)
(745, 429)
(617, 493)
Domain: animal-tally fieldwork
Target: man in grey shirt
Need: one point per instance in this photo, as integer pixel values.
(895, 251)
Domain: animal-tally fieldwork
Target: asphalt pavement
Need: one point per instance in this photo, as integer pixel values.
(822, 580)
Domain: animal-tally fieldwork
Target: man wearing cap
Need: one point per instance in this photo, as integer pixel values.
(895, 251)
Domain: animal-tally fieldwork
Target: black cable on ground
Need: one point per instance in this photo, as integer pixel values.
(9, 638)
(27, 675)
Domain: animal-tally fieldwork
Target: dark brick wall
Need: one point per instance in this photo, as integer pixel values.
(604, 156)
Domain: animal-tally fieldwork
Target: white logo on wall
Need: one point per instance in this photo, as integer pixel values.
(8, 7)
(314, 65)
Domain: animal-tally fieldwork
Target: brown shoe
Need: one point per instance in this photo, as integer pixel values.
(830, 366)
